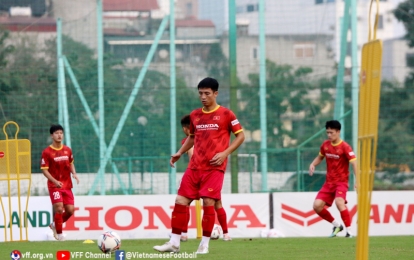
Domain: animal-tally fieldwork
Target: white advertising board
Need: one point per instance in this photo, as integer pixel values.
(145, 216)
(392, 213)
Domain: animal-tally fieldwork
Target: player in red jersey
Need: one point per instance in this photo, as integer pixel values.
(338, 156)
(210, 130)
(221, 213)
(56, 165)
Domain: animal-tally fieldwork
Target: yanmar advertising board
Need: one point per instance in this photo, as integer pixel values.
(392, 213)
(144, 216)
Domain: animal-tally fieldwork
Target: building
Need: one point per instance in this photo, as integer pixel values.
(296, 50)
(318, 17)
(395, 58)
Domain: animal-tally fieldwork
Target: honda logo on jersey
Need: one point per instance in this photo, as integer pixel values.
(207, 127)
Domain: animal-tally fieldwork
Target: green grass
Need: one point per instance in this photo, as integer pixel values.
(396, 247)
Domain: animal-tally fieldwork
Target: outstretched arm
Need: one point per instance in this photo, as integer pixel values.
(188, 144)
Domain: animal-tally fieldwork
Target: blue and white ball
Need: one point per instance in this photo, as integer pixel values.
(109, 242)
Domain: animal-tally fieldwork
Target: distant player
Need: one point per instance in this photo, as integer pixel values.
(338, 156)
(210, 129)
(57, 165)
(221, 213)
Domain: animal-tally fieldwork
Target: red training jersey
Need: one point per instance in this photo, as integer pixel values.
(211, 132)
(337, 157)
(58, 162)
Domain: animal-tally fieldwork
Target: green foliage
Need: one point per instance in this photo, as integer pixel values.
(5, 51)
(404, 13)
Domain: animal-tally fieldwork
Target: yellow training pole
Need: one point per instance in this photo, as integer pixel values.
(198, 219)
(370, 85)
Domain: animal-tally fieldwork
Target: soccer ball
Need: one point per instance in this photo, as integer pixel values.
(109, 242)
(216, 233)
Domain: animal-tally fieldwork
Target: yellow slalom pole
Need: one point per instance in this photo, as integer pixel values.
(198, 218)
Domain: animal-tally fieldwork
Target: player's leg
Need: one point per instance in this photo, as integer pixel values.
(222, 218)
(187, 192)
(184, 235)
(68, 202)
(324, 198)
(210, 190)
(57, 202)
(340, 201)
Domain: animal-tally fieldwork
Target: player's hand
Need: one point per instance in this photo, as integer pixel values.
(311, 169)
(58, 184)
(75, 176)
(218, 159)
(174, 158)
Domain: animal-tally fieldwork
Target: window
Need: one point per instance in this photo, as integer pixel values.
(380, 21)
(318, 2)
(252, 8)
(255, 53)
(240, 9)
(304, 50)
(189, 9)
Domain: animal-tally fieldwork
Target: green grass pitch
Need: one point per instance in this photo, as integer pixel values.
(395, 247)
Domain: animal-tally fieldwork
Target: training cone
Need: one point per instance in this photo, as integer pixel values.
(88, 241)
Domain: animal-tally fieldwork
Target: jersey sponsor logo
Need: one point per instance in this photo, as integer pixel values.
(332, 156)
(61, 158)
(207, 127)
(216, 118)
(351, 154)
(210, 189)
(234, 122)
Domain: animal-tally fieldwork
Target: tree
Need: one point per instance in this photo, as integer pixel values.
(295, 107)
(5, 51)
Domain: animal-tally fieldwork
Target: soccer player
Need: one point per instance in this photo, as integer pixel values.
(338, 156)
(210, 129)
(57, 165)
(221, 213)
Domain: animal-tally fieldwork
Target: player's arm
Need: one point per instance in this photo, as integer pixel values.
(188, 144)
(49, 176)
(355, 168)
(315, 163)
(73, 171)
(219, 158)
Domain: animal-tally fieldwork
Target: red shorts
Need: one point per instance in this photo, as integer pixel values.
(197, 184)
(330, 191)
(59, 195)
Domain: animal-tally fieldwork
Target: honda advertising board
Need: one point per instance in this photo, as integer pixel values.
(146, 216)
(392, 213)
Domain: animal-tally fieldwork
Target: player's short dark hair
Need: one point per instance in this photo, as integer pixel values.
(209, 83)
(54, 128)
(185, 121)
(333, 124)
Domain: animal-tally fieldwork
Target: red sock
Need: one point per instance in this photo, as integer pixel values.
(58, 222)
(178, 218)
(185, 228)
(209, 216)
(326, 215)
(222, 218)
(66, 216)
(345, 217)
